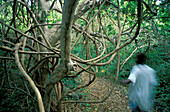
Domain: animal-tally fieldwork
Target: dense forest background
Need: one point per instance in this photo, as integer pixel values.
(53, 51)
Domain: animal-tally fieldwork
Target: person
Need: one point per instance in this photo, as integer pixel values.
(142, 82)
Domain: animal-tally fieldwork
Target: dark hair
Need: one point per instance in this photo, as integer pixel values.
(140, 58)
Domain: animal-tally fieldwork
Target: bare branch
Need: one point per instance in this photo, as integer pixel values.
(147, 6)
(41, 106)
(88, 24)
(79, 87)
(33, 16)
(35, 67)
(4, 5)
(5, 48)
(27, 36)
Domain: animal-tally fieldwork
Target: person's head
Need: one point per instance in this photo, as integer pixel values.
(140, 58)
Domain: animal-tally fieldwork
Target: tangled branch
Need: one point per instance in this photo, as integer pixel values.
(41, 106)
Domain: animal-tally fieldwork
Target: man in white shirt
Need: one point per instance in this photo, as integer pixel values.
(142, 83)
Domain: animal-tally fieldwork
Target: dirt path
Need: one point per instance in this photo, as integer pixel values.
(117, 102)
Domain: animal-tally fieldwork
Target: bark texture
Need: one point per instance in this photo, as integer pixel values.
(65, 41)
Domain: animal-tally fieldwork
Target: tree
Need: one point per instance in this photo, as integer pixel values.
(47, 47)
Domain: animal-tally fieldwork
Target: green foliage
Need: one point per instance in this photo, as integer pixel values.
(159, 60)
(9, 103)
(15, 101)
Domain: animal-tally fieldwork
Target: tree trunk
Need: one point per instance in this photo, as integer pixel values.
(65, 41)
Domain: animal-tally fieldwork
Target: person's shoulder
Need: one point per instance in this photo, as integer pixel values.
(149, 68)
(135, 68)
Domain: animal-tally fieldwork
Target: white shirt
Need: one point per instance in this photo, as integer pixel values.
(142, 86)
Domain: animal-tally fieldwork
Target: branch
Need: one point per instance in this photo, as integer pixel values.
(41, 107)
(5, 48)
(52, 5)
(128, 58)
(33, 16)
(28, 37)
(12, 44)
(111, 3)
(36, 22)
(7, 3)
(118, 40)
(131, 56)
(132, 39)
(23, 47)
(42, 25)
(88, 24)
(8, 58)
(65, 35)
(58, 10)
(35, 67)
(79, 87)
(147, 6)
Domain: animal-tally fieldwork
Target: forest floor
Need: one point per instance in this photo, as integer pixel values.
(116, 102)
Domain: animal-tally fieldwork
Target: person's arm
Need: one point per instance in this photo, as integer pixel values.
(131, 78)
(127, 81)
(124, 82)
